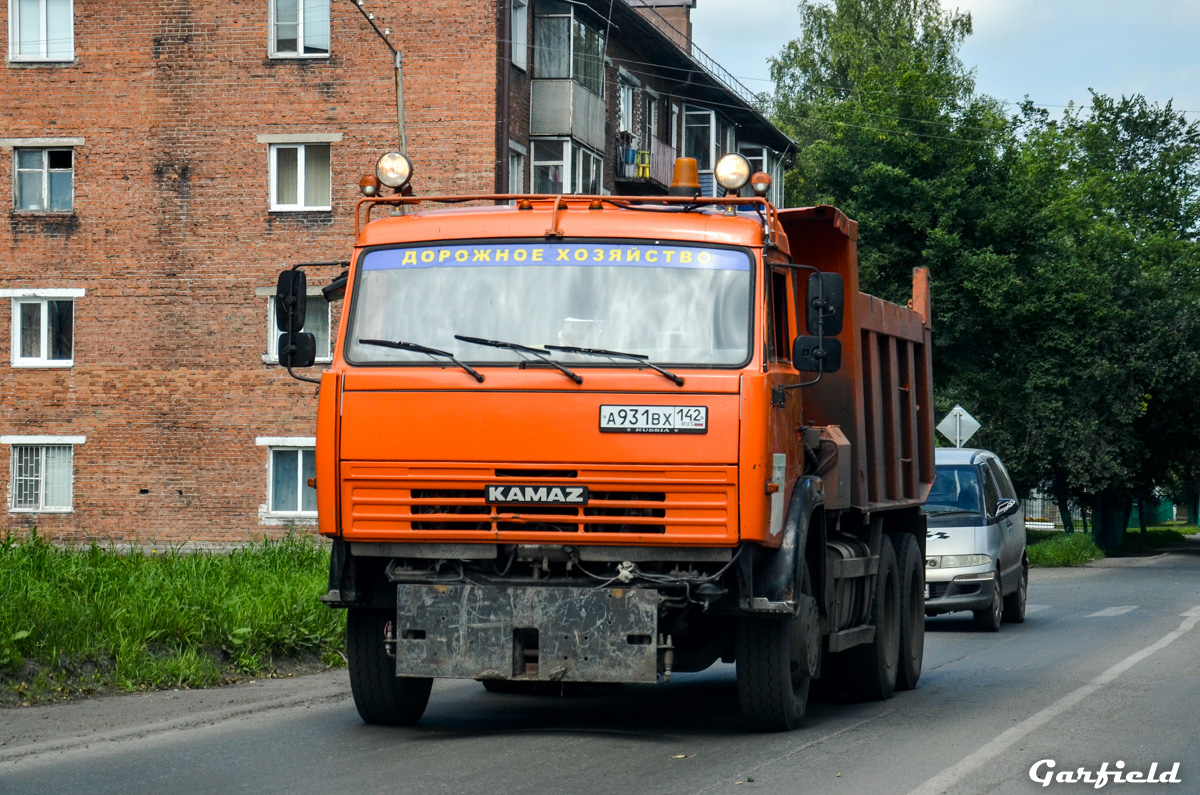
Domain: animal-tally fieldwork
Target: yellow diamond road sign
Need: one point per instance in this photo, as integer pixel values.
(958, 426)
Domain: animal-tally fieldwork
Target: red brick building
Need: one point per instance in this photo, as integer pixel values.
(160, 162)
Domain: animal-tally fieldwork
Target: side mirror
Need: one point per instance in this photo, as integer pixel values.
(1006, 506)
(297, 349)
(816, 355)
(826, 299)
(291, 300)
(336, 289)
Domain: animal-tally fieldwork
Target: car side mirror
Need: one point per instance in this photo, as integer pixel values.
(297, 349)
(827, 300)
(1007, 506)
(291, 300)
(817, 355)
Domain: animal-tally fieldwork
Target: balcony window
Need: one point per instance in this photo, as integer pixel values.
(567, 47)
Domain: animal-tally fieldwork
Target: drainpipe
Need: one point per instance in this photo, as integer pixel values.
(505, 90)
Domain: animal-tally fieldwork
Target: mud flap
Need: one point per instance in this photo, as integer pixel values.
(550, 634)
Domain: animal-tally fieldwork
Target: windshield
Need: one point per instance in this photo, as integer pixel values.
(955, 490)
(674, 304)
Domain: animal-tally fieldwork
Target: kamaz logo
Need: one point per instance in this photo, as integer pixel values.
(552, 495)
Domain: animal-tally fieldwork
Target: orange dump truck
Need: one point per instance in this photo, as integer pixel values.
(607, 439)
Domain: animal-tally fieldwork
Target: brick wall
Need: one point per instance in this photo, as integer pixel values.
(171, 235)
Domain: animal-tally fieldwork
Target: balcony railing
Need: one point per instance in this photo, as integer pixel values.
(655, 164)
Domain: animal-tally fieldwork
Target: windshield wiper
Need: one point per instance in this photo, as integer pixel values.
(512, 346)
(412, 346)
(948, 511)
(637, 357)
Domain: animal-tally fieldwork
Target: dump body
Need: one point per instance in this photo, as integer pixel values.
(542, 514)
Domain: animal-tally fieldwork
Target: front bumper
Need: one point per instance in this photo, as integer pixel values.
(536, 634)
(950, 596)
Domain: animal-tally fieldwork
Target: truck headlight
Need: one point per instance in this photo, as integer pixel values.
(394, 170)
(732, 172)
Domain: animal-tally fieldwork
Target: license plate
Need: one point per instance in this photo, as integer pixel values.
(654, 419)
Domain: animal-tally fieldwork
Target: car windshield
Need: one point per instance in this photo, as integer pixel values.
(674, 304)
(955, 491)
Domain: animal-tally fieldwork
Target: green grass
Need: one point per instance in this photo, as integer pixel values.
(1055, 548)
(77, 621)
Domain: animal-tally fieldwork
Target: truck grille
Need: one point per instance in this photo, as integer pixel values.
(430, 501)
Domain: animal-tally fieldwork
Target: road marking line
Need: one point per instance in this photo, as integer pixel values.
(1112, 611)
(1035, 608)
(949, 778)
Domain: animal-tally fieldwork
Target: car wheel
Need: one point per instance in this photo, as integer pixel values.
(1014, 603)
(988, 619)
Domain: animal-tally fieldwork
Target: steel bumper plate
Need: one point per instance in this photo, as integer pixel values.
(544, 634)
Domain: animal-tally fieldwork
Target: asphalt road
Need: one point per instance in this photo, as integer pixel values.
(1106, 669)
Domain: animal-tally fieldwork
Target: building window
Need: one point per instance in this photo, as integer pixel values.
(699, 136)
(516, 168)
(43, 326)
(520, 33)
(41, 30)
(588, 169)
(649, 119)
(41, 473)
(625, 108)
(551, 160)
(316, 321)
(292, 463)
(300, 177)
(300, 28)
(45, 180)
(566, 47)
(675, 126)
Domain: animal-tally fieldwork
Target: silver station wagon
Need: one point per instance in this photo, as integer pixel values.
(975, 555)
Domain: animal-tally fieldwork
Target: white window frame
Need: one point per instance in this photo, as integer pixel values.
(45, 172)
(675, 127)
(273, 332)
(40, 296)
(565, 161)
(301, 148)
(517, 156)
(625, 107)
(275, 52)
(41, 442)
(520, 34)
(695, 110)
(14, 44)
(578, 153)
(299, 444)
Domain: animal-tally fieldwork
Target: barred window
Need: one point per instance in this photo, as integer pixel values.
(41, 477)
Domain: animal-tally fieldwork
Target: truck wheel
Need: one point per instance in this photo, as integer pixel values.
(988, 619)
(773, 668)
(381, 697)
(912, 610)
(871, 669)
(1014, 603)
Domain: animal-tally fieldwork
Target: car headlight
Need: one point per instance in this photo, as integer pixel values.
(962, 561)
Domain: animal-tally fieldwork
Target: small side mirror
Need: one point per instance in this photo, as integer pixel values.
(813, 355)
(291, 299)
(1006, 506)
(826, 298)
(336, 289)
(297, 349)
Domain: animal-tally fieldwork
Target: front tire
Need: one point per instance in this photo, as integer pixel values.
(1014, 603)
(381, 697)
(871, 669)
(988, 619)
(912, 610)
(775, 658)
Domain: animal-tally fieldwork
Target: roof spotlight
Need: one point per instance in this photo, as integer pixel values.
(760, 183)
(732, 172)
(394, 170)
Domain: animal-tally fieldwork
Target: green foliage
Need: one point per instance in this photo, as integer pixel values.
(1064, 549)
(1064, 253)
(92, 618)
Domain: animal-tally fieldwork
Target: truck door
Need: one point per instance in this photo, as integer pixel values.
(785, 416)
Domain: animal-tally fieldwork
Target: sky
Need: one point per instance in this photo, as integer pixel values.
(1052, 51)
